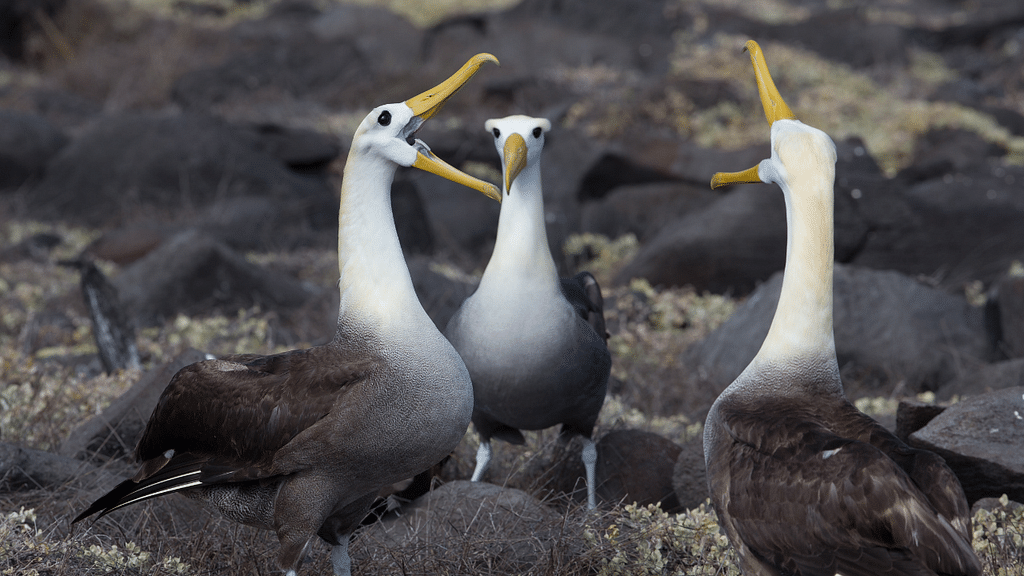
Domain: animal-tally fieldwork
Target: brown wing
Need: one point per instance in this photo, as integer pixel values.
(807, 501)
(928, 470)
(584, 294)
(244, 412)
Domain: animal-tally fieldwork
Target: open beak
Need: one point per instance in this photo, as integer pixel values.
(425, 105)
(775, 108)
(515, 158)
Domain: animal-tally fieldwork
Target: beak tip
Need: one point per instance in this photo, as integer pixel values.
(717, 181)
(486, 57)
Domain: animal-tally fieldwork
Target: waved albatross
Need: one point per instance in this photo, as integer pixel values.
(534, 344)
(301, 442)
(802, 481)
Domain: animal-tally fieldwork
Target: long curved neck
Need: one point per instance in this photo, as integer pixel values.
(377, 294)
(521, 247)
(801, 331)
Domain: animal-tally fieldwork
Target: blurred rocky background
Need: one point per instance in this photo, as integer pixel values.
(190, 153)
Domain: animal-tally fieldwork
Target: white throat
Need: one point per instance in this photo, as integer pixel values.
(377, 294)
(521, 250)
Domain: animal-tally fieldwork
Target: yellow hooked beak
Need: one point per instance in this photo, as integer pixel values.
(514, 154)
(425, 105)
(775, 108)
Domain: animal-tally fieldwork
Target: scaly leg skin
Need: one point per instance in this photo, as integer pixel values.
(340, 559)
(483, 459)
(589, 457)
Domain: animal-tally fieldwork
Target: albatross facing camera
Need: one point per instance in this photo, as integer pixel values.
(802, 481)
(301, 442)
(534, 344)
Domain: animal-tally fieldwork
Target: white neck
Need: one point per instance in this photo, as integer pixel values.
(377, 294)
(521, 247)
(803, 319)
(801, 336)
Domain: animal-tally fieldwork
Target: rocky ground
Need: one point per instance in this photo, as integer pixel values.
(192, 150)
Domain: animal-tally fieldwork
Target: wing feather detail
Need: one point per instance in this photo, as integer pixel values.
(245, 411)
(807, 500)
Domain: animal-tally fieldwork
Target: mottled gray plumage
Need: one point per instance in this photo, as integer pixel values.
(803, 482)
(302, 442)
(534, 344)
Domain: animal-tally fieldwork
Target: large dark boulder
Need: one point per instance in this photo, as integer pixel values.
(954, 214)
(728, 246)
(30, 469)
(242, 223)
(958, 228)
(27, 144)
(980, 438)
(985, 378)
(636, 466)
(275, 69)
(298, 148)
(151, 163)
(643, 209)
(846, 35)
(301, 59)
(503, 529)
(193, 274)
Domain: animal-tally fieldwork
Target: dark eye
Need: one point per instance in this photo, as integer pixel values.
(384, 119)
(537, 132)
(496, 132)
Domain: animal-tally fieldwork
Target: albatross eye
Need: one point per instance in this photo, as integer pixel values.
(497, 133)
(384, 119)
(537, 132)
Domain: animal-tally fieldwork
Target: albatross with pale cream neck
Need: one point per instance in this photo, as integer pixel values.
(802, 481)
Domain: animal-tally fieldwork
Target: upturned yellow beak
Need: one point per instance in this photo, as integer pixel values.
(425, 105)
(775, 108)
(514, 154)
(430, 102)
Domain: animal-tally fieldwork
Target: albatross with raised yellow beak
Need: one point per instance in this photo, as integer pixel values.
(802, 481)
(534, 344)
(301, 442)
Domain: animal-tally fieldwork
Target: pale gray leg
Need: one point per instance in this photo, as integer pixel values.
(483, 459)
(589, 458)
(340, 559)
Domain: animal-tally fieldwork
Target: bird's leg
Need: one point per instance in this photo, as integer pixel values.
(483, 459)
(589, 457)
(292, 555)
(301, 506)
(340, 559)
